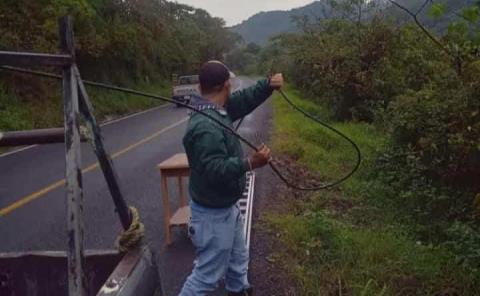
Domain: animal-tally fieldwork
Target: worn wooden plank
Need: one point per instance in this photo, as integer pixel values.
(74, 194)
(34, 59)
(104, 159)
(177, 161)
(181, 216)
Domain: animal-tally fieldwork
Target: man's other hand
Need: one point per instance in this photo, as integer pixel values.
(276, 81)
(260, 158)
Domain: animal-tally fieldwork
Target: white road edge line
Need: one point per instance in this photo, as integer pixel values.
(134, 114)
(17, 150)
(102, 124)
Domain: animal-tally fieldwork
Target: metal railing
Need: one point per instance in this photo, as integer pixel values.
(76, 104)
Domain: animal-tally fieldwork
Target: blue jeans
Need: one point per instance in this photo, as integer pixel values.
(221, 251)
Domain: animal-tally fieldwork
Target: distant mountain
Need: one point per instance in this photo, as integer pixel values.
(260, 27)
(264, 25)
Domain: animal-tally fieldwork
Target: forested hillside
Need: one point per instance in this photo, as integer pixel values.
(135, 43)
(262, 26)
(408, 222)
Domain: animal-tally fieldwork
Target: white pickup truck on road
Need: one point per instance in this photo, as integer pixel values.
(188, 86)
(185, 88)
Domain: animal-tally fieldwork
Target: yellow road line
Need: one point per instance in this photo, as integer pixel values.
(31, 197)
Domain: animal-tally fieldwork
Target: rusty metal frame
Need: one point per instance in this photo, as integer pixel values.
(38, 136)
(76, 104)
(104, 159)
(34, 59)
(73, 174)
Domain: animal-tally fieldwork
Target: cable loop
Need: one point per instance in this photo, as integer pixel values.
(272, 165)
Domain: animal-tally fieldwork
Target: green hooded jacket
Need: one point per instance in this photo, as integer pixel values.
(215, 156)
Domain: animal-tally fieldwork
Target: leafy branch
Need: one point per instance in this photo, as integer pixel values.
(414, 16)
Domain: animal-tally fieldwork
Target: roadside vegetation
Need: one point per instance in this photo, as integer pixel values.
(347, 241)
(21, 113)
(138, 44)
(408, 222)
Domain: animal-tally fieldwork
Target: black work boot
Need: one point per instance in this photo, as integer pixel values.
(246, 292)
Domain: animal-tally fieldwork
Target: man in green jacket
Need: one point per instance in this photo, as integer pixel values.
(217, 180)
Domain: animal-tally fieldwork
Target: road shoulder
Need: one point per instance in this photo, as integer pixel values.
(268, 273)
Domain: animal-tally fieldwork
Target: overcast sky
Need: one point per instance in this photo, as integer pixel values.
(235, 11)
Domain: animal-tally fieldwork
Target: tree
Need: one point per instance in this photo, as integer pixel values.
(119, 40)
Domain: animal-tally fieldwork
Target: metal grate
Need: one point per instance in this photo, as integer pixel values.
(246, 205)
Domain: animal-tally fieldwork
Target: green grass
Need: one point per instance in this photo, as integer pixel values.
(337, 242)
(316, 147)
(14, 115)
(18, 113)
(107, 103)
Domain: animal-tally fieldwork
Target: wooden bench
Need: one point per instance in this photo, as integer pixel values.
(174, 167)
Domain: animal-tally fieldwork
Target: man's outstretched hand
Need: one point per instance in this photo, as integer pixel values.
(260, 158)
(276, 81)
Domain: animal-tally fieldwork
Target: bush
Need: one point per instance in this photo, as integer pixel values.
(423, 97)
(440, 128)
(387, 232)
(432, 165)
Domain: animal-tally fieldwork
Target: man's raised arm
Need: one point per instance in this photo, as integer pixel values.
(244, 101)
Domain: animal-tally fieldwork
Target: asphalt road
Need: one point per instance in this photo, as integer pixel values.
(32, 195)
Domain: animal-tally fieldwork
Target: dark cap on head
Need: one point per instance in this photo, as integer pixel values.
(212, 76)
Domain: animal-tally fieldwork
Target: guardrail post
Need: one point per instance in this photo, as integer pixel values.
(74, 194)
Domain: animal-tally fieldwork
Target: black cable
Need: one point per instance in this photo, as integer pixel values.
(239, 124)
(221, 124)
(354, 145)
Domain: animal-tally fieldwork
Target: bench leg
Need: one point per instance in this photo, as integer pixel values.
(181, 192)
(166, 210)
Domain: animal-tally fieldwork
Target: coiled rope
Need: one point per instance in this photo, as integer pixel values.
(133, 236)
(272, 165)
